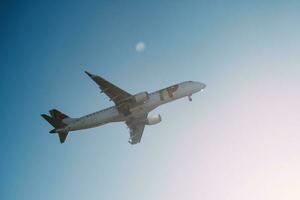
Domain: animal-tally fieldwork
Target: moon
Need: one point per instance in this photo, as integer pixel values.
(140, 47)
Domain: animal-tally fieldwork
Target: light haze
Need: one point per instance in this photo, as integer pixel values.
(237, 140)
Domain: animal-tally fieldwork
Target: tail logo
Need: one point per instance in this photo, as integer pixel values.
(57, 114)
(62, 116)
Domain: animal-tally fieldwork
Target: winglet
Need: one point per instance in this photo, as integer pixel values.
(89, 74)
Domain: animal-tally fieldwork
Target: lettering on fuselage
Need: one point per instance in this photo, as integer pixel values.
(167, 92)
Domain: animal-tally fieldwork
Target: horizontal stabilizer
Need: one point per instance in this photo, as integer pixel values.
(57, 124)
(52, 131)
(53, 121)
(62, 136)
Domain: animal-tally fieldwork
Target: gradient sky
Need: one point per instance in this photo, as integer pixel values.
(237, 140)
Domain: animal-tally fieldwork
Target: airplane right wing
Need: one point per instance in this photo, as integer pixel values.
(115, 93)
(121, 98)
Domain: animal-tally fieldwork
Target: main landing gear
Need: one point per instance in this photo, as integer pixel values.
(190, 98)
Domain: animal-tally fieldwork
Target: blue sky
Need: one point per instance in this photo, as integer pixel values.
(237, 140)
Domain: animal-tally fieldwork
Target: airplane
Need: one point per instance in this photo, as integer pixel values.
(131, 109)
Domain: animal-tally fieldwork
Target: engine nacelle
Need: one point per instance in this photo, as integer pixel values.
(155, 119)
(141, 97)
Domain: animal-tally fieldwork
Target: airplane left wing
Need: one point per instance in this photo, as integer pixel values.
(136, 127)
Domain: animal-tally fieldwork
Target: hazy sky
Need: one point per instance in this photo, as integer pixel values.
(237, 140)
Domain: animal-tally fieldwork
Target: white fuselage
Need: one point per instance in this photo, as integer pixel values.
(112, 114)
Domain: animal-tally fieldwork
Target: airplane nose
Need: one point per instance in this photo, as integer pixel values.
(201, 86)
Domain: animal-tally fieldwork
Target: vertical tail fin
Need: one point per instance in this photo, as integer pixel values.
(57, 124)
(58, 115)
(57, 120)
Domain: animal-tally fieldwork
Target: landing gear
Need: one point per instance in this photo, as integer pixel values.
(190, 98)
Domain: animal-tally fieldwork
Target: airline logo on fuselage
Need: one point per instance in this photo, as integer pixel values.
(167, 92)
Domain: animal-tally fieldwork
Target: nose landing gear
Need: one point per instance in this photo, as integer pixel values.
(190, 98)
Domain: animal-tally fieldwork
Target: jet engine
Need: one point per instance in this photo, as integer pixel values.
(141, 97)
(151, 120)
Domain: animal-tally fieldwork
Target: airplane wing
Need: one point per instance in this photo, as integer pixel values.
(120, 97)
(136, 127)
